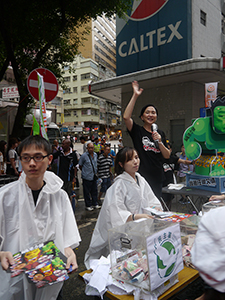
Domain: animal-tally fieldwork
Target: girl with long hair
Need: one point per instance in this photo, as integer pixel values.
(124, 202)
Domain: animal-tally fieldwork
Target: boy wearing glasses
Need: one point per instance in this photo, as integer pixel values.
(34, 209)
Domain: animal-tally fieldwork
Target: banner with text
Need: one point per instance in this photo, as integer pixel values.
(210, 93)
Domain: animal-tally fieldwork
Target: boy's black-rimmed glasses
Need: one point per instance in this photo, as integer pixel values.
(36, 158)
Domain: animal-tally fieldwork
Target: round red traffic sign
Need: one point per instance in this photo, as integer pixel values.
(50, 84)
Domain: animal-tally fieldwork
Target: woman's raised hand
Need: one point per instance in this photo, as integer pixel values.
(136, 90)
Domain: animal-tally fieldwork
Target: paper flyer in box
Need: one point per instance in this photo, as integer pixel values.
(43, 264)
(164, 255)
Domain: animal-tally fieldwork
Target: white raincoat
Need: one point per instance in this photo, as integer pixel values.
(22, 225)
(123, 198)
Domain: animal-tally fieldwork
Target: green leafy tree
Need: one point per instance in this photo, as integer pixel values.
(46, 34)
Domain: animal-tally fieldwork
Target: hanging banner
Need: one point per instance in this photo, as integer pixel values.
(62, 118)
(210, 93)
(43, 117)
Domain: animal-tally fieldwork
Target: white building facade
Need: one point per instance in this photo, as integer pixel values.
(85, 113)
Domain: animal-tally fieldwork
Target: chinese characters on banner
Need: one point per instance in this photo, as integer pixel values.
(10, 92)
(210, 93)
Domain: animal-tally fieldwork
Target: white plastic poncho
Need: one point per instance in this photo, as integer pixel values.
(22, 225)
(208, 251)
(123, 198)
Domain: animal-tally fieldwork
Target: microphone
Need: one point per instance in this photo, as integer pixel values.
(154, 128)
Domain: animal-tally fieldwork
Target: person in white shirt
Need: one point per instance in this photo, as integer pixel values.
(34, 210)
(124, 202)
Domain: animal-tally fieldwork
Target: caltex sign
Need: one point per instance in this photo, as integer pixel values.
(153, 33)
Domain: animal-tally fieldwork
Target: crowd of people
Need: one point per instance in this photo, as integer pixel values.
(37, 207)
(9, 159)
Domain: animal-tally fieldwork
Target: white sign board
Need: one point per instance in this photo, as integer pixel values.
(164, 255)
(10, 92)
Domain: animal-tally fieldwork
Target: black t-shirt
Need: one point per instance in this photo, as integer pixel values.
(36, 193)
(169, 165)
(66, 165)
(151, 158)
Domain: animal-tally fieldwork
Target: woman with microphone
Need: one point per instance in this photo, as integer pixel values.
(148, 141)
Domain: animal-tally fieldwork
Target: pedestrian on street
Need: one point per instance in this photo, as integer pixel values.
(66, 165)
(88, 166)
(104, 171)
(184, 167)
(34, 210)
(97, 146)
(12, 158)
(84, 143)
(120, 143)
(55, 148)
(103, 141)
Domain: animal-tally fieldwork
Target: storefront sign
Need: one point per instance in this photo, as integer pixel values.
(153, 33)
(10, 92)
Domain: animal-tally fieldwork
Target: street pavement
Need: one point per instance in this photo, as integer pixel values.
(74, 287)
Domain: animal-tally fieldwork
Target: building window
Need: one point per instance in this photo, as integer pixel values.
(67, 78)
(75, 113)
(89, 100)
(74, 77)
(94, 66)
(67, 91)
(67, 113)
(75, 101)
(85, 100)
(94, 112)
(75, 89)
(84, 88)
(85, 76)
(202, 17)
(85, 64)
(105, 54)
(104, 63)
(86, 112)
(66, 102)
(102, 116)
(95, 101)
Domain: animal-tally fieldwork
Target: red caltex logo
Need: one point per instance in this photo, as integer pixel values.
(144, 9)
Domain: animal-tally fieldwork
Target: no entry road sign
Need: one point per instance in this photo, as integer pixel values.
(50, 83)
